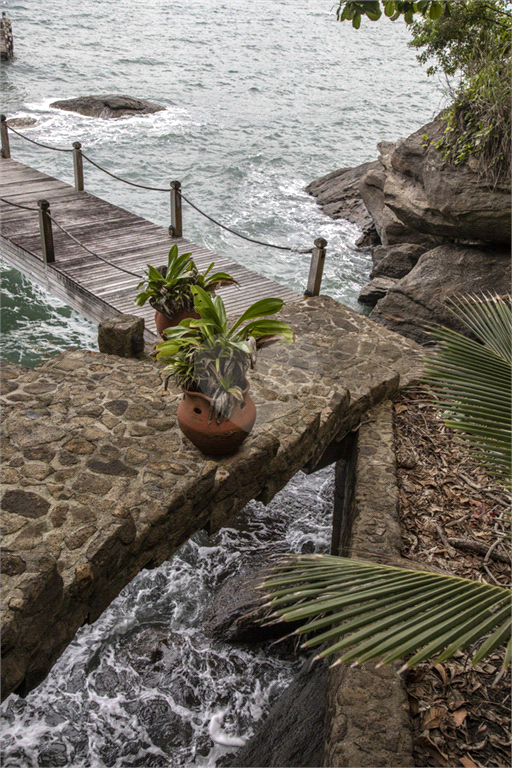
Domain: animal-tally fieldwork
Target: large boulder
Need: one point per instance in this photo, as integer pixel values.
(420, 299)
(395, 260)
(434, 197)
(390, 228)
(108, 106)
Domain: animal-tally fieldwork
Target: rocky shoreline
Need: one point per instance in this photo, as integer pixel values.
(436, 230)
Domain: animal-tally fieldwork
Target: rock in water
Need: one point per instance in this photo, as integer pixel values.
(292, 734)
(437, 198)
(237, 613)
(338, 194)
(108, 106)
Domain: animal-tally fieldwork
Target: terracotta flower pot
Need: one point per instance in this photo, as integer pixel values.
(215, 439)
(162, 321)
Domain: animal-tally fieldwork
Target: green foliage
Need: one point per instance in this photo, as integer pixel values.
(393, 9)
(469, 39)
(169, 289)
(207, 356)
(473, 380)
(367, 611)
(473, 43)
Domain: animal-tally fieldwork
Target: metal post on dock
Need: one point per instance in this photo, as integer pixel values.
(6, 152)
(45, 226)
(316, 268)
(176, 228)
(78, 166)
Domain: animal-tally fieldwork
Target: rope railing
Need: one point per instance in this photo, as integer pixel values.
(37, 143)
(176, 197)
(44, 209)
(101, 258)
(17, 205)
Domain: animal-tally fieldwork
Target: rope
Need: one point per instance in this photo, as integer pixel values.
(17, 205)
(161, 189)
(141, 186)
(45, 146)
(122, 269)
(244, 237)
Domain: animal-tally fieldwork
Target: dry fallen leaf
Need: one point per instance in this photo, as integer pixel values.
(442, 672)
(468, 763)
(433, 717)
(459, 716)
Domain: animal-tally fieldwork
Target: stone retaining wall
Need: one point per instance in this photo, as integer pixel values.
(98, 481)
(367, 712)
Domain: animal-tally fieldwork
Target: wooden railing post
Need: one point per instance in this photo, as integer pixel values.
(176, 228)
(78, 166)
(6, 152)
(316, 268)
(45, 226)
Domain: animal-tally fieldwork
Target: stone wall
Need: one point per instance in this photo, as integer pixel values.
(98, 481)
(367, 711)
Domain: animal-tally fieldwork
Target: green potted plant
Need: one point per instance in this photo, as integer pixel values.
(168, 291)
(210, 360)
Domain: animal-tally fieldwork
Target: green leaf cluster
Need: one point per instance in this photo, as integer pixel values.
(473, 379)
(212, 357)
(393, 9)
(168, 289)
(365, 611)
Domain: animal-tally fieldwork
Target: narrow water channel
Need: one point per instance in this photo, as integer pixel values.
(140, 686)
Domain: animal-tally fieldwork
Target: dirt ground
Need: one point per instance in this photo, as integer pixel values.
(454, 517)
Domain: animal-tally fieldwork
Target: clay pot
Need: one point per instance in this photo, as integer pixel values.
(215, 439)
(162, 321)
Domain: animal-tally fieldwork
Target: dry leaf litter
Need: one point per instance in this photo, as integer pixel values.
(455, 518)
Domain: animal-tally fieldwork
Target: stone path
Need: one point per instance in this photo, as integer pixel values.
(98, 481)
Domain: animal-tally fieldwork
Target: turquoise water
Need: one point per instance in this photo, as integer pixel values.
(258, 103)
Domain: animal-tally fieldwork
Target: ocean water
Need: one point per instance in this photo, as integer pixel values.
(260, 99)
(258, 102)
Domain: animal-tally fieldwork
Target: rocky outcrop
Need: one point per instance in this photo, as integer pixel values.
(437, 198)
(108, 106)
(338, 194)
(419, 300)
(443, 230)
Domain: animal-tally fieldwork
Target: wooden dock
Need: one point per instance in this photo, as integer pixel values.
(83, 281)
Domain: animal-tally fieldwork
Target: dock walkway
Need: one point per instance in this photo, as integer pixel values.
(83, 281)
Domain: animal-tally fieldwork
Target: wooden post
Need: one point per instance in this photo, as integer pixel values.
(78, 166)
(176, 228)
(6, 39)
(45, 226)
(6, 152)
(317, 267)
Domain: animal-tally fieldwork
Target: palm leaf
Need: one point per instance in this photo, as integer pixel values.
(473, 380)
(380, 611)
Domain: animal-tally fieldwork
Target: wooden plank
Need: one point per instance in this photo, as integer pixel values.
(124, 239)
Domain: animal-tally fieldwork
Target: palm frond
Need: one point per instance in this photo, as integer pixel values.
(380, 611)
(473, 380)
